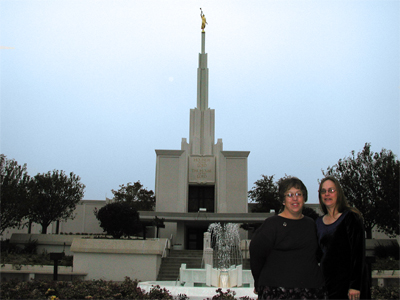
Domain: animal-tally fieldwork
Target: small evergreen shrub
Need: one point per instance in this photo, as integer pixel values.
(390, 292)
(94, 289)
(386, 251)
(33, 259)
(119, 219)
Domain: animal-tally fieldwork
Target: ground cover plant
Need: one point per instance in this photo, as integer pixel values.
(128, 289)
(33, 259)
(95, 289)
(11, 254)
(392, 292)
(391, 250)
(386, 257)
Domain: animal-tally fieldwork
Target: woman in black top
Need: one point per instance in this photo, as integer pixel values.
(283, 250)
(341, 237)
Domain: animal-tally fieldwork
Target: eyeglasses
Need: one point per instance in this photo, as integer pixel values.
(291, 195)
(330, 190)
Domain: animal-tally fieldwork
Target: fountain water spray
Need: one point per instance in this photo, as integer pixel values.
(227, 257)
(226, 245)
(221, 267)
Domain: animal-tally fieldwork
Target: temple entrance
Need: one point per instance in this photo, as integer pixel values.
(194, 237)
(201, 196)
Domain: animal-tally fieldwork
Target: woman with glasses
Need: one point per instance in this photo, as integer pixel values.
(342, 240)
(283, 250)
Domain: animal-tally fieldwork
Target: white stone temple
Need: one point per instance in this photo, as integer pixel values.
(200, 183)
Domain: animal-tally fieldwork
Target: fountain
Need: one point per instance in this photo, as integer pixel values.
(226, 245)
(221, 268)
(226, 254)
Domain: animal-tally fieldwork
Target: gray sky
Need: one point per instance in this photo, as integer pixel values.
(94, 87)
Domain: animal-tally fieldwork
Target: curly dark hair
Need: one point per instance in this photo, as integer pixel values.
(287, 183)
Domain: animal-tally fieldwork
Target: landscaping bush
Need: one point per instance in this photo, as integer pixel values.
(385, 264)
(95, 289)
(119, 219)
(29, 248)
(33, 259)
(391, 292)
(386, 251)
(128, 289)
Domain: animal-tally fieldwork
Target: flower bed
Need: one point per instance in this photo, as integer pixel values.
(95, 289)
(128, 289)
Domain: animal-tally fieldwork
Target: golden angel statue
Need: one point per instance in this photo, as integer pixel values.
(203, 20)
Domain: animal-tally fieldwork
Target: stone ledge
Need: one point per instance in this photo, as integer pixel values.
(36, 269)
(386, 274)
(149, 246)
(44, 239)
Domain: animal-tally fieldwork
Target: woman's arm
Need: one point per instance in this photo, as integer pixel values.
(260, 247)
(356, 238)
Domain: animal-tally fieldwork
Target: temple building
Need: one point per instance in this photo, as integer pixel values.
(200, 183)
(195, 186)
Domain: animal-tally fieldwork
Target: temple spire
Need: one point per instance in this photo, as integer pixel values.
(202, 77)
(202, 118)
(202, 71)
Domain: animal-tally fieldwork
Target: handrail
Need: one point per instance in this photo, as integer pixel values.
(164, 254)
(167, 245)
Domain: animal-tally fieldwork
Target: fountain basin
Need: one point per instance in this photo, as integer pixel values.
(235, 276)
(195, 292)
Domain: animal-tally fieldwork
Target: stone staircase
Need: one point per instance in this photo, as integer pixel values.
(169, 269)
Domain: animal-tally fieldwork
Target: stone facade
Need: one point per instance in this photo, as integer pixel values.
(200, 177)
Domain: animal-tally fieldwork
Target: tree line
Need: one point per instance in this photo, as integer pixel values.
(41, 199)
(53, 197)
(370, 182)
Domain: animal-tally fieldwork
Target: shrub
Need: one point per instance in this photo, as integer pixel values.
(391, 292)
(95, 289)
(119, 219)
(33, 259)
(228, 295)
(309, 212)
(386, 251)
(29, 248)
(385, 264)
(159, 293)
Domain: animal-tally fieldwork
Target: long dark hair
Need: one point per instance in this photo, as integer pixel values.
(341, 203)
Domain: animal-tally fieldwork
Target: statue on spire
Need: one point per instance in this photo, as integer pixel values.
(203, 20)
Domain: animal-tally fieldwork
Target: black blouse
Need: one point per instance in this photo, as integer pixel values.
(283, 254)
(343, 260)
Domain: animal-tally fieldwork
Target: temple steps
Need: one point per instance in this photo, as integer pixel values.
(169, 269)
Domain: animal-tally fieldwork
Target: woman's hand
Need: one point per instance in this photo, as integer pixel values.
(354, 294)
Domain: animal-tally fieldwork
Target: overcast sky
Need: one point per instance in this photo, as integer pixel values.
(94, 87)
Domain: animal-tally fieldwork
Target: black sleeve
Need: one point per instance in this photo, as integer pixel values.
(356, 237)
(261, 246)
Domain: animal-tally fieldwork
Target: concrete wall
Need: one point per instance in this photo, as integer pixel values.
(236, 181)
(170, 190)
(45, 242)
(88, 222)
(84, 221)
(116, 259)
